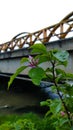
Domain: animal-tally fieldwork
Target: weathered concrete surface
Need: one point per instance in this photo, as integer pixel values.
(63, 44)
(10, 61)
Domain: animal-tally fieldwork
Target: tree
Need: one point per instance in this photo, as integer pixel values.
(61, 110)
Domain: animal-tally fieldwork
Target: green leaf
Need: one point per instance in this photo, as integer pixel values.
(69, 75)
(61, 55)
(61, 75)
(39, 48)
(36, 81)
(36, 74)
(63, 121)
(24, 60)
(44, 103)
(60, 71)
(55, 106)
(50, 77)
(48, 113)
(18, 71)
(64, 63)
(42, 58)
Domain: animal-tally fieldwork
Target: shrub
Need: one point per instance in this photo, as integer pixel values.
(24, 125)
(7, 126)
(61, 109)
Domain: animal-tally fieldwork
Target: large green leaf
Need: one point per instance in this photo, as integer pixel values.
(36, 81)
(39, 48)
(18, 71)
(36, 74)
(61, 55)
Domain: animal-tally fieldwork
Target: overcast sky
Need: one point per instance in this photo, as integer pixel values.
(18, 16)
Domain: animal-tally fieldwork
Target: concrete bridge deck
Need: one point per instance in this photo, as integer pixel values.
(10, 61)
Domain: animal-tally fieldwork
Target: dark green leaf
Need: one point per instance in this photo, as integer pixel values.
(18, 71)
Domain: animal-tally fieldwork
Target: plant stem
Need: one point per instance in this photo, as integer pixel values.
(58, 92)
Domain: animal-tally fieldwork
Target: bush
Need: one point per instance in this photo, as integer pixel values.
(7, 126)
(24, 125)
(29, 121)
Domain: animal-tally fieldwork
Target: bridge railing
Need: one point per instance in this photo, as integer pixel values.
(55, 32)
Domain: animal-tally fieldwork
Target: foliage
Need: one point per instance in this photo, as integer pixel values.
(20, 122)
(61, 110)
(6, 126)
(24, 125)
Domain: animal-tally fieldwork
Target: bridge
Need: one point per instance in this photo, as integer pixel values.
(58, 36)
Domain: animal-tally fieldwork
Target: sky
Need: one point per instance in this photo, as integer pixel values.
(18, 16)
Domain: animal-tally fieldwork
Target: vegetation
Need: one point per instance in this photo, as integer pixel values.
(28, 121)
(60, 115)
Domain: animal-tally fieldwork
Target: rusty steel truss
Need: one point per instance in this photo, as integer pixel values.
(58, 31)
